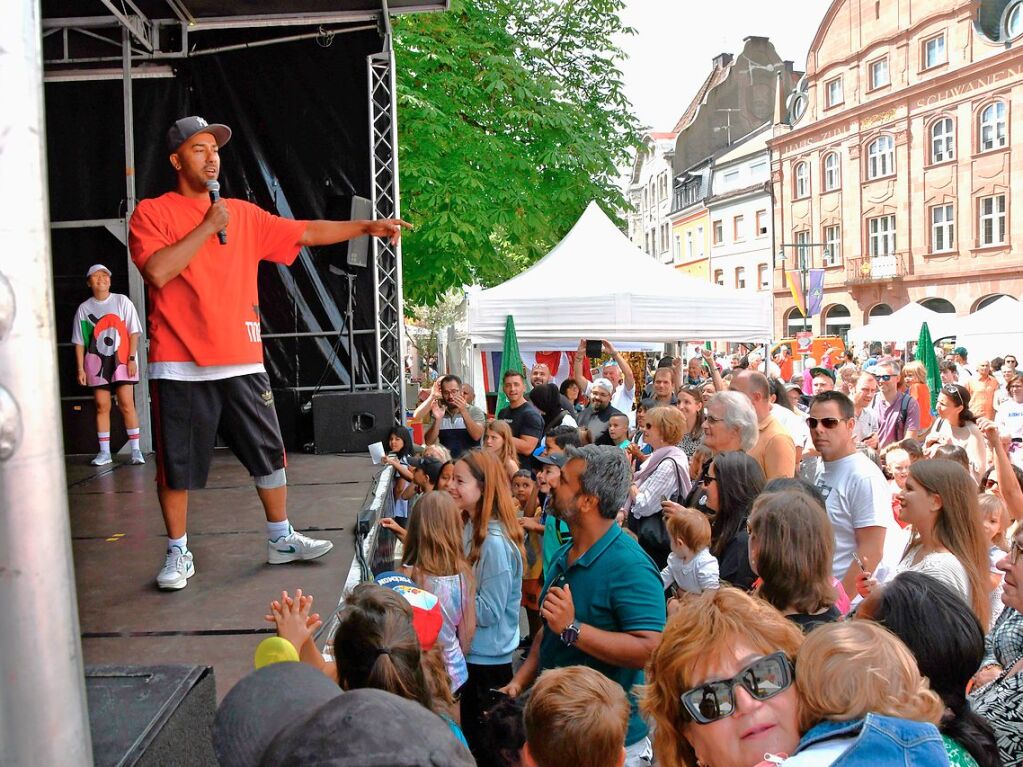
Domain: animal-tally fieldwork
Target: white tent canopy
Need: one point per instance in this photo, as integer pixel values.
(904, 325)
(994, 331)
(596, 284)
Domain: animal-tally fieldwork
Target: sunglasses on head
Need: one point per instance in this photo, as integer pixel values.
(953, 391)
(715, 700)
(990, 483)
(827, 423)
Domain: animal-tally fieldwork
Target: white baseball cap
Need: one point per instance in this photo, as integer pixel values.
(603, 383)
(97, 268)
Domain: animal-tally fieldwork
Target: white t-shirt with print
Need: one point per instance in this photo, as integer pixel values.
(856, 495)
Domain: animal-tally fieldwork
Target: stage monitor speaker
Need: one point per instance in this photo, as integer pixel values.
(349, 422)
(151, 716)
(358, 249)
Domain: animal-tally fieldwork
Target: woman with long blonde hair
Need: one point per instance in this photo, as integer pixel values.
(494, 548)
(913, 380)
(435, 559)
(948, 543)
(497, 440)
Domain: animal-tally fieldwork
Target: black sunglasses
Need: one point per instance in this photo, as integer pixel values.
(827, 423)
(762, 679)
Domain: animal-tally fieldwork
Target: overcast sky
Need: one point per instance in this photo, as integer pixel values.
(670, 54)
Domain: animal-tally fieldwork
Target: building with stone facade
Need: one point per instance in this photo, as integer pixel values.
(895, 151)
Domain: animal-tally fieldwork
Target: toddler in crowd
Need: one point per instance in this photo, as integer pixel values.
(995, 519)
(691, 567)
(575, 716)
(862, 699)
(618, 430)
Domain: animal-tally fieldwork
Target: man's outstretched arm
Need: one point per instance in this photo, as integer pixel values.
(329, 232)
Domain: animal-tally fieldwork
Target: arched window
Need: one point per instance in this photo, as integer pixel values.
(794, 322)
(879, 310)
(987, 301)
(881, 157)
(992, 126)
(942, 140)
(1014, 21)
(938, 305)
(836, 321)
(832, 175)
(802, 179)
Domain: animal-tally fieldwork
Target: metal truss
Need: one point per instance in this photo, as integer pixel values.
(389, 310)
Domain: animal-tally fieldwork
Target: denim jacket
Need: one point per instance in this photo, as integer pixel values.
(881, 741)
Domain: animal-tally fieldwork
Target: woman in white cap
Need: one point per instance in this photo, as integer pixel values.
(106, 338)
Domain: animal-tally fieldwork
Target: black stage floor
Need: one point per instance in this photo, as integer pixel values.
(217, 620)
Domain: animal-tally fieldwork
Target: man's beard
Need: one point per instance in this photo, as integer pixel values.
(599, 406)
(567, 515)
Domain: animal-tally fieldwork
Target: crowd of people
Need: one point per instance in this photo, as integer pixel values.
(717, 565)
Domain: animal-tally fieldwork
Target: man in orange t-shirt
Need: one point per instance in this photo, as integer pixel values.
(200, 260)
(982, 391)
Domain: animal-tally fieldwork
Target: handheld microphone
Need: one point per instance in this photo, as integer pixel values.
(214, 189)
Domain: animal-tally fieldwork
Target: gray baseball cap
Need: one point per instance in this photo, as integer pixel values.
(186, 127)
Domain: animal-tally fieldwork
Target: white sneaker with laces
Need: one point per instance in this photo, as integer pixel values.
(293, 546)
(176, 570)
(102, 459)
(137, 458)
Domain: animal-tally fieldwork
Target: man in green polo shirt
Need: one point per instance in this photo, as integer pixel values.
(603, 603)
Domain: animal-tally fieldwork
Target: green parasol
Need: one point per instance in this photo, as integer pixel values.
(925, 354)
(510, 360)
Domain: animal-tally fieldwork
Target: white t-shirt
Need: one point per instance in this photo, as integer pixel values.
(90, 311)
(104, 330)
(940, 565)
(1010, 418)
(866, 424)
(795, 425)
(856, 495)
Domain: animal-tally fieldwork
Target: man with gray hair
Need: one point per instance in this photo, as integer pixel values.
(597, 415)
(774, 450)
(611, 624)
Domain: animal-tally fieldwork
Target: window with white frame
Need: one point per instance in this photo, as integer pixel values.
(942, 140)
(737, 228)
(701, 243)
(833, 89)
(881, 157)
(802, 249)
(689, 245)
(942, 228)
(761, 223)
(832, 245)
(731, 178)
(802, 179)
(1014, 22)
(934, 51)
(992, 220)
(740, 277)
(832, 177)
(992, 126)
(764, 277)
(879, 74)
(881, 236)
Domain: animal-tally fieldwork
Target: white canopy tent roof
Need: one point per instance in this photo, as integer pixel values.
(994, 331)
(596, 284)
(904, 325)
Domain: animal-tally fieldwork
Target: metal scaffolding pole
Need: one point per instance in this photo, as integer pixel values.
(43, 718)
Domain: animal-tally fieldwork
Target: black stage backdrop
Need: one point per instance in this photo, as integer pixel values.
(300, 148)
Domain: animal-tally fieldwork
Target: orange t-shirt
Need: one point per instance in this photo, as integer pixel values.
(982, 396)
(209, 314)
(922, 394)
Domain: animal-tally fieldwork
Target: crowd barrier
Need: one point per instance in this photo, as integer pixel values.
(375, 547)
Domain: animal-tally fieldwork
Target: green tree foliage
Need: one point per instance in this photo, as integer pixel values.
(512, 117)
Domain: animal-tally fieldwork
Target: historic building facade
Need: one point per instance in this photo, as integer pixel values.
(650, 194)
(892, 160)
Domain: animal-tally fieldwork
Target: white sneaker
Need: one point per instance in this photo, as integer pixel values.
(176, 570)
(137, 458)
(102, 459)
(294, 546)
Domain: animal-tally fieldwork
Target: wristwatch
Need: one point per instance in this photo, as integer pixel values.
(131, 358)
(570, 635)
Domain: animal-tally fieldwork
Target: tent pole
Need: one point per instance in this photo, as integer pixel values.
(43, 716)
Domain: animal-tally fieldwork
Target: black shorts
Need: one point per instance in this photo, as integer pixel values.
(188, 414)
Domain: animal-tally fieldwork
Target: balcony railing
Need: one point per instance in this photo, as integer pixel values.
(870, 269)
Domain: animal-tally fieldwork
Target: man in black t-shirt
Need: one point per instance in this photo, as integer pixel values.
(525, 420)
(597, 414)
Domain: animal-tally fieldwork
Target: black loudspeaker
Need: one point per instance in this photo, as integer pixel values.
(349, 422)
(151, 716)
(358, 249)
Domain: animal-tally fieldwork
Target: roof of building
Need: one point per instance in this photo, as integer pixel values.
(662, 135)
(717, 76)
(753, 143)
